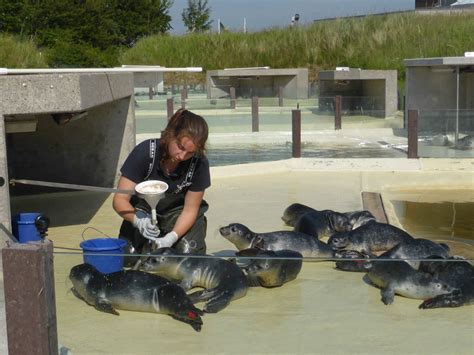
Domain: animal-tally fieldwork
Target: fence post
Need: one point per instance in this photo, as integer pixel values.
(30, 305)
(232, 97)
(412, 134)
(280, 96)
(169, 107)
(296, 133)
(337, 112)
(255, 114)
(150, 93)
(184, 96)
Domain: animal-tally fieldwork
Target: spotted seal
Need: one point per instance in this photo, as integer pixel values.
(371, 238)
(456, 273)
(398, 277)
(281, 266)
(357, 264)
(415, 249)
(223, 281)
(134, 291)
(293, 212)
(243, 238)
(359, 218)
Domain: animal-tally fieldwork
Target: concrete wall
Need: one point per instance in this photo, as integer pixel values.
(258, 82)
(372, 92)
(87, 151)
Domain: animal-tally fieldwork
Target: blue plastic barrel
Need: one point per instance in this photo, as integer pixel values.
(105, 254)
(24, 227)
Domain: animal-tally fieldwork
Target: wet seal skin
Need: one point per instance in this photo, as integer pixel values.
(223, 281)
(457, 273)
(369, 239)
(243, 238)
(356, 265)
(134, 291)
(282, 266)
(398, 277)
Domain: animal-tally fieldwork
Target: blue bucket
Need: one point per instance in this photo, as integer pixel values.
(98, 252)
(24, 227)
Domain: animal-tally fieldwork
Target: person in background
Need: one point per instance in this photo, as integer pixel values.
(177, 158)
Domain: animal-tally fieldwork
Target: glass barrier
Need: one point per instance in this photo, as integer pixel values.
(446, 133)
(230, 142)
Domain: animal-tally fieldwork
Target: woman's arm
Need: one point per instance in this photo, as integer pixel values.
(192, 203)
(121, 202)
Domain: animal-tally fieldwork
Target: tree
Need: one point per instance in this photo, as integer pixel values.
(196, 16)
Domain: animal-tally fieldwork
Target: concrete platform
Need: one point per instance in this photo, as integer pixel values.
(322, 311)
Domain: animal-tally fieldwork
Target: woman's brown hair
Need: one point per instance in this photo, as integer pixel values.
(184, 123)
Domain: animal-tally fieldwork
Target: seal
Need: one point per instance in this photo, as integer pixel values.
(369, 239)
(415, 249)
(398, 277)
(134, 291)
(243, 238)
(322, 224)
(359, 218)
(281, 267)
(293, 212)
(456, 273)
(355, 265)
(222, 280)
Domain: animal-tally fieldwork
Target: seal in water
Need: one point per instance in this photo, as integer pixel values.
(134, 291)
(456, 273)
(414, 250)
(222, 280)
(243, 238)
(397, 277)
(271, 272)
(356, 265)
(370, 238)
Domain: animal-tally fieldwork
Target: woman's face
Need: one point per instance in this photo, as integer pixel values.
(181, 149)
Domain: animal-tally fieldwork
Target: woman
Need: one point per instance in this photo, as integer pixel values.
(178, 159)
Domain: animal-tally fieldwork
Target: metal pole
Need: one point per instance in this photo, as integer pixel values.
(456, 133)
(169, 107)
(337, 112)
(280, 96)
(150, 93)
(412, 134)
(184, 94)
(296, 133)
(232, 97)
(255, 114)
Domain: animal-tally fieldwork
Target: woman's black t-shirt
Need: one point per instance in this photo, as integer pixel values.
(143, 163)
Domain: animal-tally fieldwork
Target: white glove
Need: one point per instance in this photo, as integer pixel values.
(167, 241)
(142, 222)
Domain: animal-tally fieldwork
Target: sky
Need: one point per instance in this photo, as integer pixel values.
(261, 14)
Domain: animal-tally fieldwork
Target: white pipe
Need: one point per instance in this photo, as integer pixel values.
(155, 69)
(456, 134)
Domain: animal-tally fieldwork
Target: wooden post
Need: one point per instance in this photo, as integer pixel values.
(30, 298)
(372, 202)
(169, 107)
(255, 114)
(184, 95)
(280, 96)
(232, 97)
(150, 93)
(412, 134)
(296, 133)
(337, 112)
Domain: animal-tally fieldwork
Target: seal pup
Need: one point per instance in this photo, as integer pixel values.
(456, 273)
(294, 212)
(243, 238)
(322, 224)
(359, 218)
(397, 277)
(369, 239)
(223, 281)
(281, 267)
(134, 291)
(414, 250)
(356, 265)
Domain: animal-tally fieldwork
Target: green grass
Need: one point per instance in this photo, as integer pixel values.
(372, 42)
(20, 53)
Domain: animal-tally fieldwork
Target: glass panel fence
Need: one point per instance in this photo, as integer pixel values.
(446, 133)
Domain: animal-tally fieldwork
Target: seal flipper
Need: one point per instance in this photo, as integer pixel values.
(201, 295)
(388, 294)
(103, 305)
(218, 302)
(77, 294)
(191, 316)
(453, 299)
